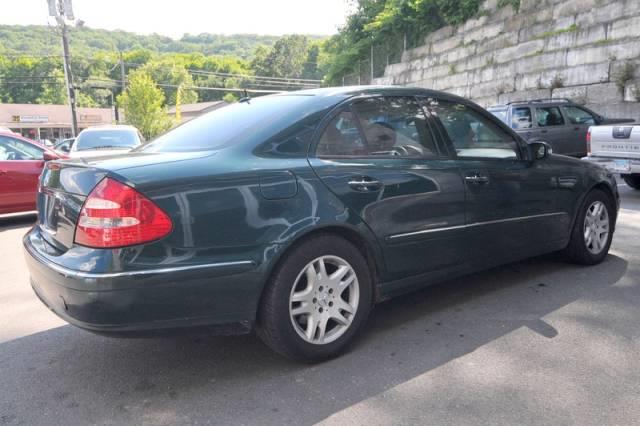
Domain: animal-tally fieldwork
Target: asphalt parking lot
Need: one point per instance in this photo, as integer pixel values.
(537, 342)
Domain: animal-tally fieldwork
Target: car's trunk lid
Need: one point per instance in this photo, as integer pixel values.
(64, 186)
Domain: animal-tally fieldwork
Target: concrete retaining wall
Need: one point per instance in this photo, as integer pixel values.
(586, 50)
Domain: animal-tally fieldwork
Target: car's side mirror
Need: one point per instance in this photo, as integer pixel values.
(48, 156)
(540, 150)
(64, 148)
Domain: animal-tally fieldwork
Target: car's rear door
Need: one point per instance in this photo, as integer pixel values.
(20, 166)
(379, 157)
(579, 121)
(511, 201)
(553, 129)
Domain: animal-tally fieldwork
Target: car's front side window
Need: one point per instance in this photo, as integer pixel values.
(472, 134)
(549, 116)
(577, 115)
(15, 150)
(379, 127)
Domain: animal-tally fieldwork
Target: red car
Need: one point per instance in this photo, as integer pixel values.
(21, 162)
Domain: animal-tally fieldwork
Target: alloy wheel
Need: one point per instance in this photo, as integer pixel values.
(324, 300)
(596, 227)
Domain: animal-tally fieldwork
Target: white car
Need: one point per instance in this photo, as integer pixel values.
(617, 148)
(105, 140)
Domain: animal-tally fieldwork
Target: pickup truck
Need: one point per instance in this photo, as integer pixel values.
(618, 149)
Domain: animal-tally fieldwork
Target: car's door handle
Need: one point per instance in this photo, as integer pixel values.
(365, 184)
(576, 128)
(3, 172)
(543, 131)
(477, 178)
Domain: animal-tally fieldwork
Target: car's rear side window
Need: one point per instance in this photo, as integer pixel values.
(578, 115)
(257, 119)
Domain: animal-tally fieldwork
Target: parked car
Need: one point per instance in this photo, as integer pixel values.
(64, 146)
(21, 162)
(618, 149)
(560, 123)
(105, 140)
(295, 213)
(6, 130)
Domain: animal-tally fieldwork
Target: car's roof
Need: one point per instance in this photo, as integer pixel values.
(349, 91)
(532, 102)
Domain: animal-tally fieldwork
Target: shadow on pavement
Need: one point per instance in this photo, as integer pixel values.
(91, 379)
(13, 222)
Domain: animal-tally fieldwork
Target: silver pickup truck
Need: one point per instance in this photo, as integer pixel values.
(618, 149)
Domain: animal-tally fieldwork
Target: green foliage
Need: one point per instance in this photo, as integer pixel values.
(85, 41)
(290, 56)
(143, 105)
(514, 3)
(624, 75)
(378, 21)
(230, 97)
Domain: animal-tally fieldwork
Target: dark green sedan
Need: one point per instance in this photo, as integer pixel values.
(293, 214)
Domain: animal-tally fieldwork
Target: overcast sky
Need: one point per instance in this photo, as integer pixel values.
(176, 17)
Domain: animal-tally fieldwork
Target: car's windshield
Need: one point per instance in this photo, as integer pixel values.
(258, 118)
(97, 139)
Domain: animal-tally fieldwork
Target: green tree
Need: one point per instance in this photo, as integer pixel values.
(287, 58)
(54, 91)
(172, 74)
(143, 105)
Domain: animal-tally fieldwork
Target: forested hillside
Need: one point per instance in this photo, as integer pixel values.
(40, 40)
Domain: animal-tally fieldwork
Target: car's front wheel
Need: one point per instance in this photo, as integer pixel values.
(317, 299)
(633, 181)
(593, 230)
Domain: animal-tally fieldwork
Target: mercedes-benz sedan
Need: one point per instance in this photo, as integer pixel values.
(295, 213)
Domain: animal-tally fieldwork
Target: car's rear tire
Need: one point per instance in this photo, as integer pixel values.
(593, 230)
(633, 181)
(317, 300)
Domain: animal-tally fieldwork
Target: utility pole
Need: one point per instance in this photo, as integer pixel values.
(123, 79)
(371, 78)
(62, 10)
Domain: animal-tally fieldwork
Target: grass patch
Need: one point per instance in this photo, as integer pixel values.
(571, 28)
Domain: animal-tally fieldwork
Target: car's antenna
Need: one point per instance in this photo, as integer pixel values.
(246, 97)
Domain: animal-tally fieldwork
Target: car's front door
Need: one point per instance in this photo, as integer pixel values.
(20, 166)
(511, 200)
(379, 156)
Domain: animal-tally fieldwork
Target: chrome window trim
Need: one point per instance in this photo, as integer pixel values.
(471, 225)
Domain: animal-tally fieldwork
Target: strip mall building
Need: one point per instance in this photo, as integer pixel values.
(52, 122)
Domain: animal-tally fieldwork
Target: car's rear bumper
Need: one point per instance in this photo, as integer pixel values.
(220, 297)
(616, 165)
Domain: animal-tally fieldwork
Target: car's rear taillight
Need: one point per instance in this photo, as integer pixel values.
(589, 142)
(116, 215)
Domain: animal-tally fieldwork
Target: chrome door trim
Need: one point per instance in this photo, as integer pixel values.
(472, 225)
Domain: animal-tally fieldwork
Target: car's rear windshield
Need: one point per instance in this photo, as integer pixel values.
(97, 139)
(257, 119)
